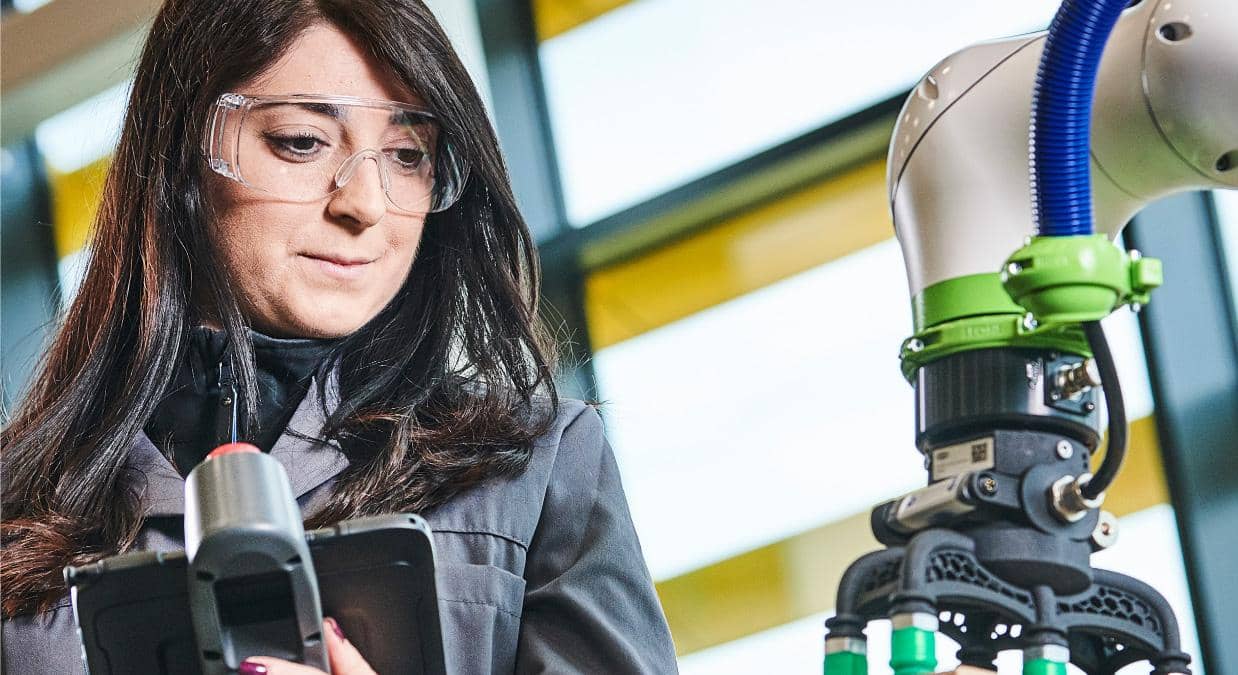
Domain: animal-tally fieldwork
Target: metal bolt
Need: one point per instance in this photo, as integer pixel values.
(1064, 449)
(1136, 307)
(1105, 533)
(1030, 322)
(988, 485)
(1089, 406)
(225, 401)
(1014, 268)
(1135, 254)
(1077, 378)
(915, 345)
(1068, 501)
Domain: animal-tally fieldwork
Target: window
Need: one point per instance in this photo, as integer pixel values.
(656, 93)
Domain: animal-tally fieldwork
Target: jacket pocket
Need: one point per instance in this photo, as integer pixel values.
(480, 608)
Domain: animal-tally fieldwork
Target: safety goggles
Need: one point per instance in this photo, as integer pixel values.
(302, 148)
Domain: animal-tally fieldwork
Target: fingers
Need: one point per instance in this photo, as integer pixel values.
(344, 657)
(266, 665)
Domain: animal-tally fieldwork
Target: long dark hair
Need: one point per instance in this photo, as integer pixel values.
(445, 387)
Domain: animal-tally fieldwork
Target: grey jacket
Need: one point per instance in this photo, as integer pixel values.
(541, 573)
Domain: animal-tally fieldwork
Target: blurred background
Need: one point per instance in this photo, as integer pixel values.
(706, 181)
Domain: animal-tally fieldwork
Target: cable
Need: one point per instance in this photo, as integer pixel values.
(1116, 450)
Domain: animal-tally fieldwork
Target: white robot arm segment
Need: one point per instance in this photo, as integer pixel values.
(1165, 119)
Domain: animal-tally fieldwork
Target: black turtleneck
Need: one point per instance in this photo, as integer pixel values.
(195, 415)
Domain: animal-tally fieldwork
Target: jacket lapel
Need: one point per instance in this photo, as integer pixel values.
(308, 463)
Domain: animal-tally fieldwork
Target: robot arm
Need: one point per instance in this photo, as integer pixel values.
(995, 550)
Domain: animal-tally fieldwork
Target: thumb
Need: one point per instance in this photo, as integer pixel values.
(344, 657)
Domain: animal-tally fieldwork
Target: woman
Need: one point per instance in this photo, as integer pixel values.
(338, 266)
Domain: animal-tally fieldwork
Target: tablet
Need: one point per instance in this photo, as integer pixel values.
(375, 577)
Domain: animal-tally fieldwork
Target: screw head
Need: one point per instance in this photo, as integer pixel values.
(226, 401)
(1014, 268)
(988, 485)
(915, 345)
(1089, 406)
(1064, 449)
(1030, 322)
(1106, 532)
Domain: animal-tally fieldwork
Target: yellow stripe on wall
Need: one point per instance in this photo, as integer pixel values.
(766, 244)
(75, 202)
(798, 576)
(1141, 483)
(554, 17)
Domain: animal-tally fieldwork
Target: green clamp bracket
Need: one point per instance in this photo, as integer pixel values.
(1044, 291)
(987, 332)
(975, 312)
(1072, 279)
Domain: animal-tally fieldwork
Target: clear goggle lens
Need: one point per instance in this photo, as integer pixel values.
(303, 148)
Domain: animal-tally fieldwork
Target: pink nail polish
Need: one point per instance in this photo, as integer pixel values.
(335, 626)
(252, 668)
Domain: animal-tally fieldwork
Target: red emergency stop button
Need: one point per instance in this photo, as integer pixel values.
(229, 448)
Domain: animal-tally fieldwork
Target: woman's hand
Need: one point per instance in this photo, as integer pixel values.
(343, 656)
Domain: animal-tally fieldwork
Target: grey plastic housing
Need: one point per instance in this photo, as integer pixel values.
(251, 581)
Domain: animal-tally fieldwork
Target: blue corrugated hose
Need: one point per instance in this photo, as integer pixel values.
(1062, 115)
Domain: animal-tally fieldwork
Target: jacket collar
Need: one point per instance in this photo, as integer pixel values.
(308, 463)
